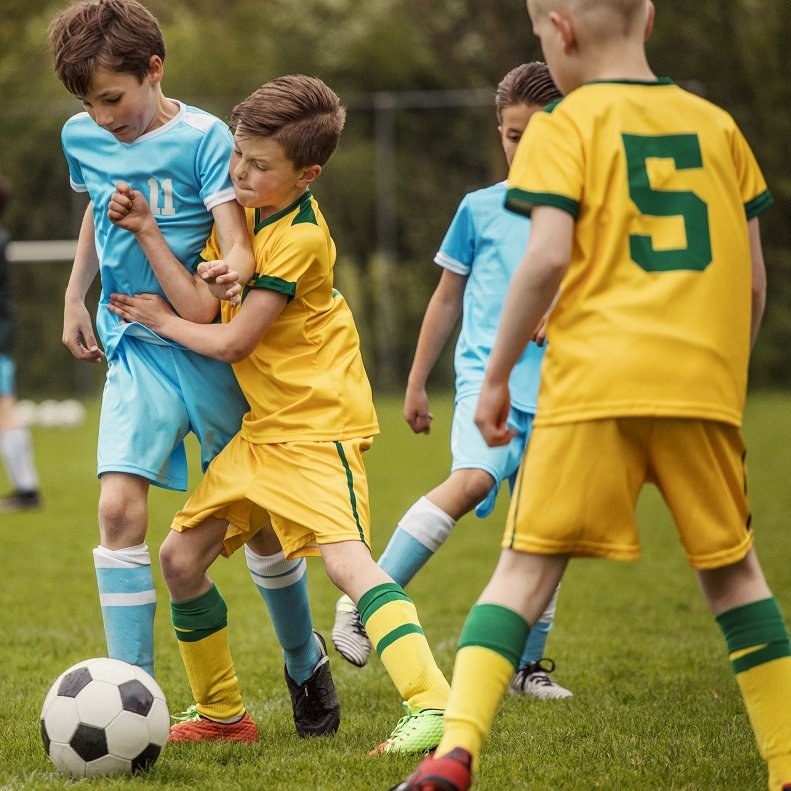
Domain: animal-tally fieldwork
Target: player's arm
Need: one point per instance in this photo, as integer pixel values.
(532, 290)
(229, 342)
(758, 278)
(234, 238)
(442, 313)
(78, 333)
(188, 293)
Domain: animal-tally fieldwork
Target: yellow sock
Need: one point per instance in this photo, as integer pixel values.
(391, 621)
(490, 645)
(202, 632)
(760, 654)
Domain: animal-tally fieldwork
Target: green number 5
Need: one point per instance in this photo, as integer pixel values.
(684, 150)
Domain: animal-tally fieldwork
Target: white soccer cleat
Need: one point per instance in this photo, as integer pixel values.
(533, 680)
(348, 634)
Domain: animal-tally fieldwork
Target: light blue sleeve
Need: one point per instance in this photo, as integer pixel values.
(213, 166)
(457, 251)
(75, 172)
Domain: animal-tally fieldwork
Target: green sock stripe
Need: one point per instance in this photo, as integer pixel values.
(753, 624)
(350, 484)
(497, 628)
(199, 617)
(760, 657)
(377, 597)
(396, 634)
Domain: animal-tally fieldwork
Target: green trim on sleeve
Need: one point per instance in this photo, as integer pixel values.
(273, 284)
(522, 202)
(199, 259)
(759, 204)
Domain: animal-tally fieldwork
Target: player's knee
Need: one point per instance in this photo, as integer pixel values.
(475, 486)
(174, 565)
(122, 520)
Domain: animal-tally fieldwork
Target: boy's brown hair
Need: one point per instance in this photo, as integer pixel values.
(119, 35)
(301, 113)
(530, 83)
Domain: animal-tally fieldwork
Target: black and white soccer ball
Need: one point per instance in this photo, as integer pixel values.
(104, 717)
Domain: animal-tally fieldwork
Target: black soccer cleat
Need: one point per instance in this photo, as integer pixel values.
(317, 710)
(20, 501)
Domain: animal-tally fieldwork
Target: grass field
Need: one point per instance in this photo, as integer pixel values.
(655, 703)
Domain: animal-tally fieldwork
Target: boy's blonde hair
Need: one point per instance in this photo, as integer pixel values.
(301, 113)
(605, 17)
(530, 83)
(119, 35)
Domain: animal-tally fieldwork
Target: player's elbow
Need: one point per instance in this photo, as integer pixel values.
(235, 351)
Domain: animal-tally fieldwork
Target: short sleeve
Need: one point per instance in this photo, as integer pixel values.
(755, 195)
(457, 251)
(213, 166)
(76, 178)
(548, 168)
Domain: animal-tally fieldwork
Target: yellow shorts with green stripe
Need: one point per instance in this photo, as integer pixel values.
(311, 492)
(579, 482)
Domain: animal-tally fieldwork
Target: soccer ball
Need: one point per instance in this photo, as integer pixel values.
(103, 717)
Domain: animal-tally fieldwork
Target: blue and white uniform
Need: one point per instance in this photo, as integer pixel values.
(156, 391)
(485, 243)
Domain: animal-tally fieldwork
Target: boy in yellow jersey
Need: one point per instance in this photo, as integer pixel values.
(297, 463)
(644, 204)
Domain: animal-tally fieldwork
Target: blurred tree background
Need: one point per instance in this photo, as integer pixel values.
(418, 79)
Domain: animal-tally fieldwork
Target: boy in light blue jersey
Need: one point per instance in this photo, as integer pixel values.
(109, 54)
(478, 255)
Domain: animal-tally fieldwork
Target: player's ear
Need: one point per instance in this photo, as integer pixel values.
(155, 69)
(565, 29)
(649, 24)
(309, 175)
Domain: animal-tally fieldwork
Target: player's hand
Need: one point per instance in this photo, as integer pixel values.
(148, 309)
(491, 416)
(128, 209)
(416, 411)
(222, 281)
(539, 335)
(78, 335)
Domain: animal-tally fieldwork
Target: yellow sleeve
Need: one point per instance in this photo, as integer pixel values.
(755, 194)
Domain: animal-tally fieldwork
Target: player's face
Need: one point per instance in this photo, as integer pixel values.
(263, 177)
(124, 106)
(513, 122)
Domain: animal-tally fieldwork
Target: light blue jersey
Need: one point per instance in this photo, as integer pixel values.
(485, 243)
(181, 167)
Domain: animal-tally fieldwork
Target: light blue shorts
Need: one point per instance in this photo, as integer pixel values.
(7, 375)
(154, 396)
(470, 451)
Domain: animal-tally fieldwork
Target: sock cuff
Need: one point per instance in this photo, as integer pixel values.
(757, 623)
(377, 597)
(125, 558)
(496, 628)
(201, 616)
(271, 565)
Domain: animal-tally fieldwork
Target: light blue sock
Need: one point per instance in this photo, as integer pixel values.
(129, 601)
(536, 643)
(420, 533)
(283, 586)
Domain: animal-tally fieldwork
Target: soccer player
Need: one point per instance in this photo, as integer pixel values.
(16, 448)
(297, 463)
(110, 55)
(478, 256)
(645, 203)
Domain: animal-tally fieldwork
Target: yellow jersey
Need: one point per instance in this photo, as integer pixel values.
(305, 380)
(653, 313)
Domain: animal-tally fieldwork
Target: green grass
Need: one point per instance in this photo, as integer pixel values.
(655, 703)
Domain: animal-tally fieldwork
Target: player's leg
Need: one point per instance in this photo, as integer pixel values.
(391, 621)
(700, 470)
(282, 583)
(419, 534)
(200, 619)
(16, 447)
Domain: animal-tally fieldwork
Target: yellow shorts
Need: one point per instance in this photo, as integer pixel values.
(579, 482)
(311, 492)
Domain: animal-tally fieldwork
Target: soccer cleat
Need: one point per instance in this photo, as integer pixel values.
(20, 501)
(451, 772)
(348, 634)
(533, 680)
(416, 732)
(317, 711)
(190, 726)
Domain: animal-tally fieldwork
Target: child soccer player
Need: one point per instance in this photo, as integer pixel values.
(645, 203)
(109, 54)
(297, 462)
(478, 256)
(16, 448)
